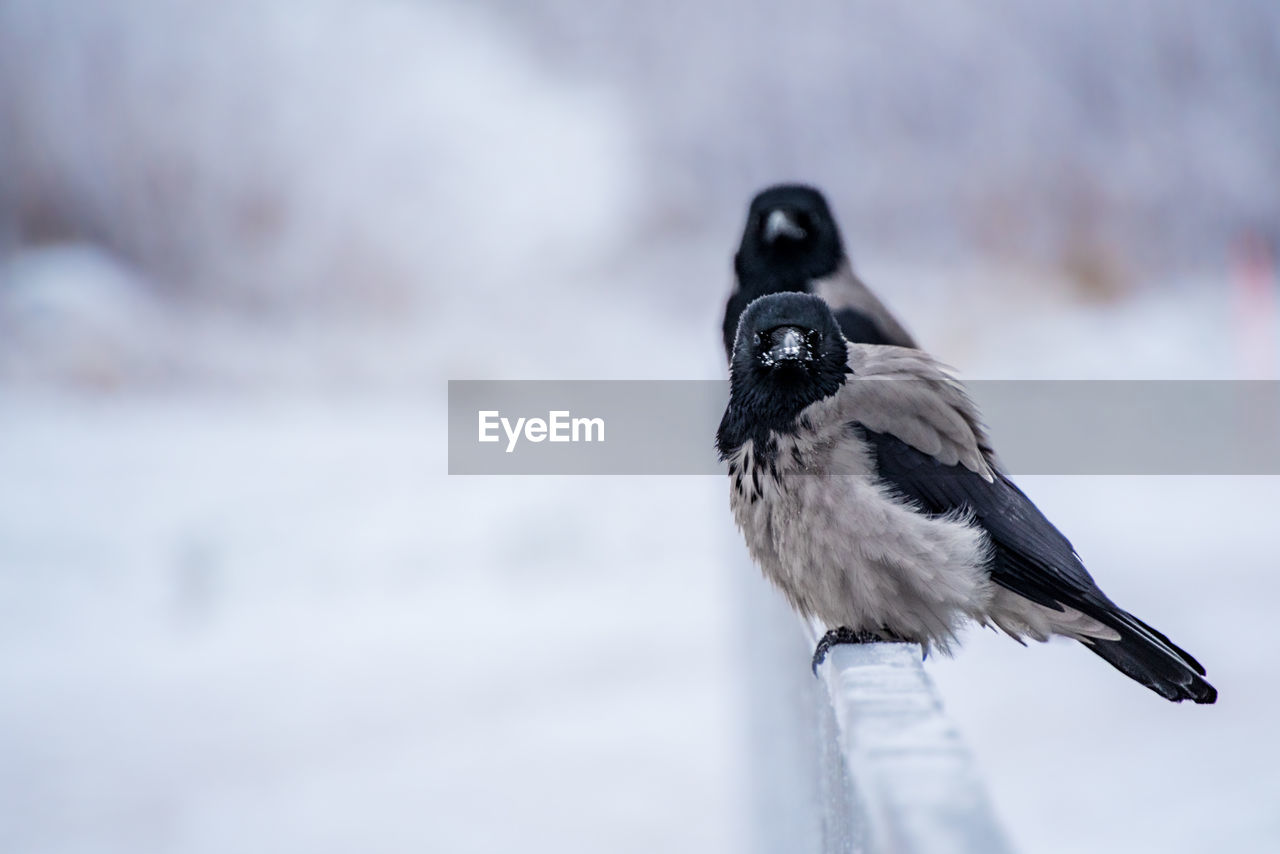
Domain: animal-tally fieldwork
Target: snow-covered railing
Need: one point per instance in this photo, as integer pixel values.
(861, 761)
(910, 782)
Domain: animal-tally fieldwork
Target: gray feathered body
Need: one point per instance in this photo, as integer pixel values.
(844, 548)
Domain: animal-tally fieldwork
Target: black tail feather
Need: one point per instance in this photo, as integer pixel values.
(1147, 656)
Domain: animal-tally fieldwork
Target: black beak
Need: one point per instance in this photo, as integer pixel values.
(782, 223)
(787, 344)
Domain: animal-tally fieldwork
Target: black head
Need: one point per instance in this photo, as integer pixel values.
(790, 239)
(789, 353)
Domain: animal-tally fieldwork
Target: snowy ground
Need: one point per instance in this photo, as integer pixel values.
(281, 627)
(272, 623)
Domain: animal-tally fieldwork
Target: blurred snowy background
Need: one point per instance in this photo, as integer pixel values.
(243, 245)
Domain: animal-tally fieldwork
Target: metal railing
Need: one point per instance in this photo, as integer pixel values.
(863, 760)
(913, 786)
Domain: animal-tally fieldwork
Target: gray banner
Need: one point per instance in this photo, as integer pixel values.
(1037, 427)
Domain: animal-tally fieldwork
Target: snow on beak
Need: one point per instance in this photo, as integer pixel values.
(788, 344)
(782, 223)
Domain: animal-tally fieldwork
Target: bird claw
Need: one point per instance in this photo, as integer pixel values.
(835, 637)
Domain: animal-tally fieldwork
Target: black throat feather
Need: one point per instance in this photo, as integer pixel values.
(764, 400)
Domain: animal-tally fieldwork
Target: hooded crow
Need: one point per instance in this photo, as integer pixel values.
(864, 484)
(791, 244)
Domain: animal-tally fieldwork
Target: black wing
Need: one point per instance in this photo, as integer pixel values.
(1033, 559)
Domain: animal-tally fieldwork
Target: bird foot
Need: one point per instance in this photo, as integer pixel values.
(835, 637)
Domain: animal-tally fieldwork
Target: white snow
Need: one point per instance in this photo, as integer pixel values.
(327, 155)
(270, 622)
(280, 627)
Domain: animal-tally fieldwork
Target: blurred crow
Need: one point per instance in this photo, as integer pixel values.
(865, 487)
(791, 243)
